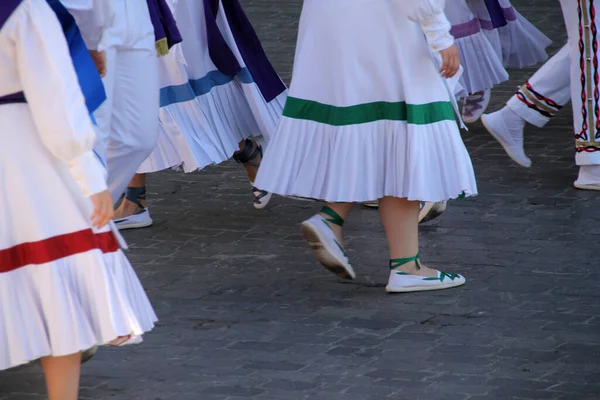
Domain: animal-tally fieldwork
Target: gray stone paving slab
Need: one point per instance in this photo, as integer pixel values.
(246, 313)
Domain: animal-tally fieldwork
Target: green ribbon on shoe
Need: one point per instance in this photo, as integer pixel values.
(398, 262)
(334, 217)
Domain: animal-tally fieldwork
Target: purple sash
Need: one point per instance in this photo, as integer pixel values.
(13, 98)
(6, 9)
(165, 27)
(496, 13)
(248, 43)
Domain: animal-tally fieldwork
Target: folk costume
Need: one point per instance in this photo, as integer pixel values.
(64, 286)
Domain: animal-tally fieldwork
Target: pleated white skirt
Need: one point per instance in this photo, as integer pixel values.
(374, 120)
(64, 286)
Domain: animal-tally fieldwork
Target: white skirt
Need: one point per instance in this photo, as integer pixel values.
(482, 63)
(375, 120)
(204, 113)
(521, 43)
(64, 287)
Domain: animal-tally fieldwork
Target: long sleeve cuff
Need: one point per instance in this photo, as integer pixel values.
(437, 31)
(89, 174)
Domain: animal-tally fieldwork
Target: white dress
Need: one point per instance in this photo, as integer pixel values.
(64, 286)
(376, 118)
(205, 113)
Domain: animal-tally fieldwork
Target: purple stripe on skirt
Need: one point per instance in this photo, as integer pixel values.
(465, 29)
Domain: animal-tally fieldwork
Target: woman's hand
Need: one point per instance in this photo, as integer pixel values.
(450, 62)
(99, 58)
(103, 209)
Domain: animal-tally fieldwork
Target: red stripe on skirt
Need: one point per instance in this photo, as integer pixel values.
(55, 248)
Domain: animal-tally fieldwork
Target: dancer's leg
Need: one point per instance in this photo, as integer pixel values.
(582, 22)
(62, 376)
(400, 219)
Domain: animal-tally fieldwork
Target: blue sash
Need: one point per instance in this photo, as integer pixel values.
(87, 74)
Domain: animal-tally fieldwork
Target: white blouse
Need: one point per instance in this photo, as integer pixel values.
(94, 18)
(34, 59)
(430, 14)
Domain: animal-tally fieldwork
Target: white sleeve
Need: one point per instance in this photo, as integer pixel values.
(93, 17)
(54, 96)
(430, 15)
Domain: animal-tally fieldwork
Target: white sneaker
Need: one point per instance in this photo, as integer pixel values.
(507, 128)
(431, 210)
(401, 282)
(475, 105)
(140, 219)
(589, 178)
(261, 197)
(326, 247)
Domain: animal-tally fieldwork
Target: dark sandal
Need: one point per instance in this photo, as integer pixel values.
(247, 156)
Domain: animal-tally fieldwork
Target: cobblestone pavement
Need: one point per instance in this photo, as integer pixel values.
(246, 312)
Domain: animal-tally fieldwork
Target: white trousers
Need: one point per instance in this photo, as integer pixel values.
(546, 92)
(572, 74)
(585, 61)
(128, 120)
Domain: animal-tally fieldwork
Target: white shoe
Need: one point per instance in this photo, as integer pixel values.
(431, 210)
(475, 105)
(589, 178)
(401, 282)
(141, 219)
(507, 128)
(88, 354)
(428, 210)
(326, 247)
(261, 197)
(371, 204)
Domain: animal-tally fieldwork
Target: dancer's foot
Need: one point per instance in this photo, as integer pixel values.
(88, 354)
(409, 275)
(589, 178)
(323, 233)
(133, 213)
(371, 204)
(507, 127)
(431, 210)
(475, 105)
(250, 156)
